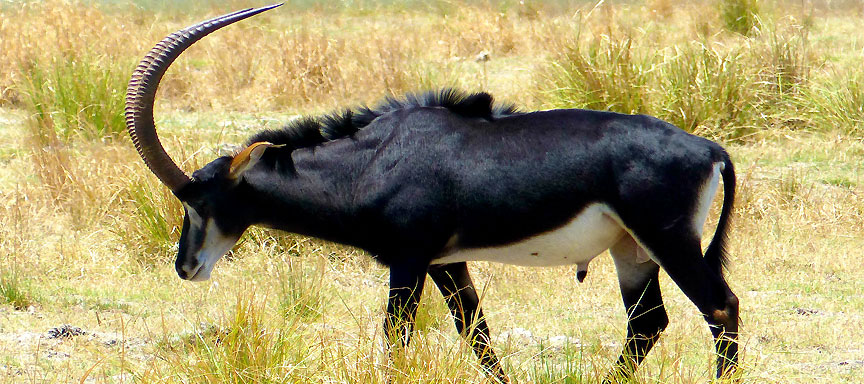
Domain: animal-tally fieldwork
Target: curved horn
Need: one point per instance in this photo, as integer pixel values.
(142, 91)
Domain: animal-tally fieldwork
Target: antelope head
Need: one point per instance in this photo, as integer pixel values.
(214, 218)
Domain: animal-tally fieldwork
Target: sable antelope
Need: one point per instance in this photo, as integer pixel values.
(430, 181)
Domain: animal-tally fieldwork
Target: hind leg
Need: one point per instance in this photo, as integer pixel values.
(646, 316)
(681, 257)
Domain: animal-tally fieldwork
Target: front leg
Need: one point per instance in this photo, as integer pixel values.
(406, 286)
(455, 284)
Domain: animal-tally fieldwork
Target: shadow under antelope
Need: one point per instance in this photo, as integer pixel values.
(428, 182)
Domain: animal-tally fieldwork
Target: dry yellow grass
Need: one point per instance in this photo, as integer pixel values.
(86, 232)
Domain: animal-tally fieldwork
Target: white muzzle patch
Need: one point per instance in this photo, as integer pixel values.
(215, 245)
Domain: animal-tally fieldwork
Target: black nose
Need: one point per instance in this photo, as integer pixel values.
(180, 272)
(184, 270)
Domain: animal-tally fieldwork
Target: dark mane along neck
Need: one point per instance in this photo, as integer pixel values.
(311, 131)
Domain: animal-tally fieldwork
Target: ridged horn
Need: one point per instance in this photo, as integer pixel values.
(142, 91)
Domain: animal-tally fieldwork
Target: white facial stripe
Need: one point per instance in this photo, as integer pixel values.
(195, 223)
(194, 218)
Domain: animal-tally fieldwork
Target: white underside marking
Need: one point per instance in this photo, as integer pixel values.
(642, 255)
(583, 266)
(587, 235)
(631, 270)
(706, 196)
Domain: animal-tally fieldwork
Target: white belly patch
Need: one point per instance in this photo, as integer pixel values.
(587, 235)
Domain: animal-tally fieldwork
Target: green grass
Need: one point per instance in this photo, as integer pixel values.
(300, 292)
(739, 16)
(71, 96)
(16, 290)
(87, 233)
(563, 365)
(703, 87)
(836, 100)
(697, 87)
(241, 347)
(155, 227)
(728, 88)
(606, 73)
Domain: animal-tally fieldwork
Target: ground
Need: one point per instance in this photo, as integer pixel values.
(87, 287)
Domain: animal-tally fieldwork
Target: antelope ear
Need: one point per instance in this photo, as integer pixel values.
(248, 157)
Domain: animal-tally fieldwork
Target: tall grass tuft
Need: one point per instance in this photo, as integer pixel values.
(693, 85)
(154, 225)
(300, 288)
(739, 16)
(786, 57)
(16, 290)
(606, 74)
(74, 96)
(243, 347)
(703, 85)
(572, 364)
(704, 88)
(835, 102)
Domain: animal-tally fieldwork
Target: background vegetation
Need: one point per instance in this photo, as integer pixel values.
(87, 288)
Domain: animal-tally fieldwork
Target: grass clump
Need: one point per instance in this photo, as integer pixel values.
(244, 347)
(739, 16)
(605, 74)
(704, 87)
(16, 291)
(300, 288)
(787, 57)
(693, 85)
(836, 101)
(154, 227)
(566, 366)
(76, 96)
(726, 87)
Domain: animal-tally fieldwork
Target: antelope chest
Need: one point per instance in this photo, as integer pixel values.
(585, 236)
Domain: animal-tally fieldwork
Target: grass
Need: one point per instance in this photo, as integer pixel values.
(157, 221)
(705, 90)
(694, 86)
(16, 291)
(838, 100)
(300, 293)
(87, 234)
(71, 96)
(607, 74)
(722, 86)
(240, 348)
(739, 15)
